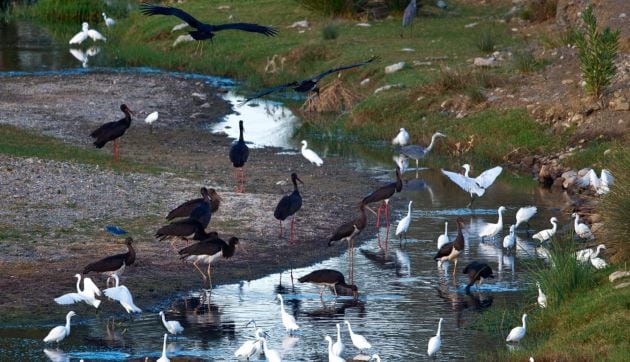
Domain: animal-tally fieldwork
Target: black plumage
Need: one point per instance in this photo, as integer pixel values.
(328, 278)
(239, 153)
(289, 205)
(450, 251)
(385, 192)
(350, 229)
(477, 272)
(111, 131)
(179, 229)
(207, 250)
(203, 212)
(185, 209)
(306, 85)
(114, 264)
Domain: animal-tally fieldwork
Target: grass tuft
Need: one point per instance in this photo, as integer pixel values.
(615, 209)
(486, 40)
(330, 32)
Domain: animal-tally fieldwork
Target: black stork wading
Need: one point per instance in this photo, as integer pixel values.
(451, 251)
(329, 278)
(307, 85)
(114, 264)
(348, 232)
(477, 272)
(239, 153)
(204, 31)
(208, 250)
(288, 206)
(112, 131)
(185, 209)
(382, 195)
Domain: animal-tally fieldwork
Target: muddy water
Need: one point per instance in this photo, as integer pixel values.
(402, 294)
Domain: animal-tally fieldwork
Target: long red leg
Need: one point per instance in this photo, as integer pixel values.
(387, 228)
(378, 224)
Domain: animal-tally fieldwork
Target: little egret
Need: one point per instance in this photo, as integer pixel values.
(288, 206)
(85, 33)
(338, 347)
(547, 234)
(152, 117)
(509, 241)
(490, 230)
(122, 295)
(477, 272)
(108, 21)
(310, 155)
(185, 209)
(402, 138)
(239, 153)
(87, 295)
(517, 333)
(403, 224)
(252, 347)
(173, 327)
(328, 278)
(358, 340)
(163, 358)
(270, 354)
(542, 298)
(582, 230)
(601, 185)
(474, 186)
(436, 341)
(114, 264)
(598, 263)
(450, 251)
(443, 238)
(287, 320)
(585, 254)
(112, 131)
(524, 214)
(417, 152)
(332, 357)
(58, 333)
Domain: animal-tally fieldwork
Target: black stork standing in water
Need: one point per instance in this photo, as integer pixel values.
(477, 272)
(348, 232)
(208, 250)
(329, 278)
(111, 131)
(114, 264)
(451, 251)
(185, 209)
(383, 194)
(239, 152)
(204, 31)
(307, 85)
(288, 206)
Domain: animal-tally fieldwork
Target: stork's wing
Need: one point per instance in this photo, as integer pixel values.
(253, 28)
(487, 177)
(69, 298)
(459, 179)
(151, 9)
(89, 288)
(269, 91)
(343, 67)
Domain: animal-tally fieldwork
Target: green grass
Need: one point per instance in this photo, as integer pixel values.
(592, 154)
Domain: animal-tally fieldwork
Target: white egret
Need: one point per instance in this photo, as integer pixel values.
(338, 346)
(84, 57)
(332, 357)
(252, 347)
(85, 32)
(490, 230)
(179, 27)
(524, 214)
(517, 333)
(474, 186)
(87, 295)
(173, 327)
(542, 298)
(509, 241)
(443, 238)
(152, 117)
(601, 185)
(547, 234)
(108, 21)
(311, 155)
(164, 358)
(122, 295)
(582, 230)
(375, 357)
(403, 224)
(402, 162)
(358, 340)
(58, 333)
(181, 39)
(585, 254)
(417, 152)
(288, 320)
(598, 263)
(402, 138)
(436, 341)
(270, 354)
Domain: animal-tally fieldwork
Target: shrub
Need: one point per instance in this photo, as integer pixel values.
(77, 10)
(597, 51)
(486, 41)
(615, 208)
(330, 32)
(524, 61)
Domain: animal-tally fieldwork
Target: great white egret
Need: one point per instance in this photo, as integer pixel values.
(338, 347)
(58, 333)
(582, 230)
(601, 184)
(310, 155)
(86, 32)
(163, 358)
(598, 263)
(402, 138)
(87, 295)
(436, 341)
(490, 230)
(524, 214)
(287, 319)
(547, 234)
(517, 333)
(332, 357)
(122, 295)
(108, 21)
(152, 117)
(173, 327)
(443, 238)
(403, 224)
(474, 186)
(270, 354)
(358, 340)
(585, 254)
(252, 347)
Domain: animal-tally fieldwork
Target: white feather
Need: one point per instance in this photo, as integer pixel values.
(547, 234)
(311, 155)
(402, 138)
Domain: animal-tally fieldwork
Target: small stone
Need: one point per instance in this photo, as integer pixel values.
(618, 275)
(199, 97)
(567, 81)
(394, 67)
(622, 285)
(485, 62)
(299, 24)
(364, 82)
(471, 25)
(364, 25)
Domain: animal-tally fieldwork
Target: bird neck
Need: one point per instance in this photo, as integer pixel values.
(116, 279)
(295, 186)
(164, 346)
(164, 319)
(446, 229)
(430, 147)
(304, 145)
(524, 322)
(409, 210)
(78, 284)
(68, 317)
(338, 333)
(349, 329)
(240, 137)
(439, 328)
(500, 222)
(577, 218)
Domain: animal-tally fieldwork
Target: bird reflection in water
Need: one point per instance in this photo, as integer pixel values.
(459, 302)
(56, 355)
(378, 257)
(505, 262)
(113, 337)
(337, 308)
(201, 312)
(403, 264)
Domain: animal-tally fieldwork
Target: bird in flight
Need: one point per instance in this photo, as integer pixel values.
(307, 85)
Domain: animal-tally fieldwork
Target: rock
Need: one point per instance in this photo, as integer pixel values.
(387, 87)
(583, 172)
(417, 63)
(299, 24)
(471, 25)
(619, 104)
(394, 67)
(365, 82)
(199, 97)
(567, 81)
(595, 218)
(528, 160)
(407, 50)
(485, 62)
(622, 285)
(618, 275)
(205, 105)
(364, 25)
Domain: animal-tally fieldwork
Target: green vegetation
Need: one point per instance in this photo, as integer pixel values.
(539, 10)
(597, 51)
(330, 32)
(77, 10)
(615, 208)
(333, 7)
(486, 41)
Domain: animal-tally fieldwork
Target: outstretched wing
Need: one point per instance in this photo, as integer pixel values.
(151, 9)
(459, 179)
(269, 91)
(69, 298)
(487, 177)
(607, 178)
(253, 28)
(343, 67)
(89, 288)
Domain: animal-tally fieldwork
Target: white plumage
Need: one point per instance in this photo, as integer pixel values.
(181, 39)
(121, 294)
(403, 224)
(601, 184)
(288, 320)
(585, 254)
(58, 333)
(547, 234)
(338, 346)
(436, 341)
(332, 357)
(252, 347)
(443, 238)
(598, 263)
(376, 358)
(474, 186)
(524, 214)
(163, 358)
(402, 138)
(173, 327)
(179, 27)
(152, 117)
(311, 155)
(87, 295)
(402, 162)
(84, 57)
(517, 333)
(270, 354)
(542, 298)
(582, 230)
(85, 32)
(108, 21)
(490, 230)
(358, 340)
(509, 241)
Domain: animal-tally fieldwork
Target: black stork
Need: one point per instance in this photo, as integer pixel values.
(451, 251)
(204, 31)
(208, 250)
(185, 209)
(289, 205)
(185, 229)
(239, 152)
(383, 194)
(477, 272)
(329, 278)
(307, 85)
(113, 264)
(348, 232)
(111, 131)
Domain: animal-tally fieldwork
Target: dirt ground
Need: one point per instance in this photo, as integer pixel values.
(53, 213)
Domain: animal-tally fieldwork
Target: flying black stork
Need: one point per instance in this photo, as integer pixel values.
(348, 231)
(208, 250)
(451, 251)
(180, 229)
(114, 264)
(329, 278)
(239, 152)
(383, 194)
(204, 31)
(111, 131)
(288, 206)
(477, 272)
(185, 209)
(307, 85)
